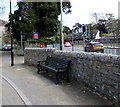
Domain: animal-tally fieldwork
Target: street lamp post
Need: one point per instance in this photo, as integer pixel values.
(12, 58)
(61, 38)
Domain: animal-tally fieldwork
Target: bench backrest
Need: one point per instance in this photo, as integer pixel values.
(58, 62)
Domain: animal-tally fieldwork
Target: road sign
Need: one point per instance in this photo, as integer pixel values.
(35, 35)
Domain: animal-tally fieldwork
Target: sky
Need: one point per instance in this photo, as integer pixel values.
(81, 10)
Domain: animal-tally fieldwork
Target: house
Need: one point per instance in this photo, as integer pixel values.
(111, 38)
(93, 34)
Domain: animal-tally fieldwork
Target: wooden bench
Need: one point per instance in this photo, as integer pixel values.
(58, 65)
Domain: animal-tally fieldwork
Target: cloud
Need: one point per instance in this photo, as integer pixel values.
(82, 10)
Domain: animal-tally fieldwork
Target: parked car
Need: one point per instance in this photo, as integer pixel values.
(6, 47)
(67, 44)
(94, 47)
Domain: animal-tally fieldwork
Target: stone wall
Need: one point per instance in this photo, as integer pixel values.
(32, 55)
(99, 71)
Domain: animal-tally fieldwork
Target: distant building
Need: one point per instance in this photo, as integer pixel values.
(93, 34)
(2, 25)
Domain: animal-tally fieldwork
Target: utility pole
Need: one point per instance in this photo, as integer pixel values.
(62, 37)
(12, 58)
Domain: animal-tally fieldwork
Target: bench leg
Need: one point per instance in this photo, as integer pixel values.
(68, 80)
(46, 71)
(57, 78)
(67, 77)
(38, 70)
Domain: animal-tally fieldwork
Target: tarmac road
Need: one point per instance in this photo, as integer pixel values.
(21, 85)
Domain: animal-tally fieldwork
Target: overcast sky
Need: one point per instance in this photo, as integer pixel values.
(81, 10)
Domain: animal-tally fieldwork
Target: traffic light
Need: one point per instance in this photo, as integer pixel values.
(84, 29)
(92, 36)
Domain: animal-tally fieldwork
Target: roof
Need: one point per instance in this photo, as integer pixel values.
(79, 37)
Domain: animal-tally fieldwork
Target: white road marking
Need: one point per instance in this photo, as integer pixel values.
(19, 92)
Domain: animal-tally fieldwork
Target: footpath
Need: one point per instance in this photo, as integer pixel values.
(21, 85)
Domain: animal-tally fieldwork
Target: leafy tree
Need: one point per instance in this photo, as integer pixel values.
(110, 23)
(77, 27)
(92, 26)
(66, 32)
(39, 17)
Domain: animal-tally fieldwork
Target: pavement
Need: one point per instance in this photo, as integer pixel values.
(21, 85)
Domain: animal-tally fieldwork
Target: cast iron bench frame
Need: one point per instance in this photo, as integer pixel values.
(55, 64)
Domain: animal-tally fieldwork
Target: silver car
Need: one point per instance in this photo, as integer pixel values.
(94, 47)
(6, 47)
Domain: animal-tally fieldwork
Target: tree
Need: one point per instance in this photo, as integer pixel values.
(66, 31)
(118, 28)
(110, 23)
(103, 21)
(39, 17)
(77, 27)
(100, 17)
